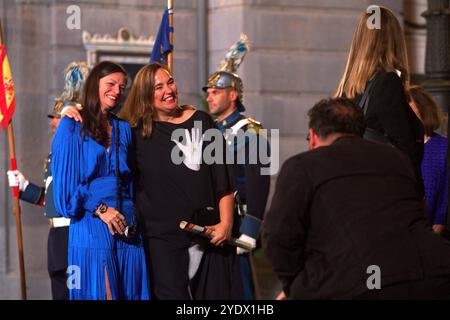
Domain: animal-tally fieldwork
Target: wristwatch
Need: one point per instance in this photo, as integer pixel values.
(101, 209)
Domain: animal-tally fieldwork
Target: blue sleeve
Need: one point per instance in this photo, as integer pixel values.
(32, 194)
(70, 188)
(442, 197)
(257, 184)
(250, 226)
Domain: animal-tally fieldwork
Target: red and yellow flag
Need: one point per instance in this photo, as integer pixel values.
(7, 101)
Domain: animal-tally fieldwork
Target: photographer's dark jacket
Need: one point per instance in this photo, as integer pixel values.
(339, 209)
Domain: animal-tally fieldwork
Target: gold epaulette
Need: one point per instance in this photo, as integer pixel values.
(254, 125)
(254, 121)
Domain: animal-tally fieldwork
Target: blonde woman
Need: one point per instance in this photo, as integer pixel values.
(375, 77)
(182, 267)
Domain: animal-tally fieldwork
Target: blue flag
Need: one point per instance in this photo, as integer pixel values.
(162, 46)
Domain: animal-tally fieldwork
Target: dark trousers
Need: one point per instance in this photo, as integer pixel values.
(428, 289)
(57, 251)
(167, 266)
(247, 276)
(218, 276)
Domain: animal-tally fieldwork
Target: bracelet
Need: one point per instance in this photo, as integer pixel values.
(101, 209)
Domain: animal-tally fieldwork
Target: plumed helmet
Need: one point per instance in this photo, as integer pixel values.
(75, 75)
(225, 79)
(226, 75)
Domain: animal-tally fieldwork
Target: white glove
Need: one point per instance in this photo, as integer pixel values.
(17, 179)
(246, 238)
(192, 150)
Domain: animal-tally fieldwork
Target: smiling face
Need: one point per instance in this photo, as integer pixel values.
(110, 89)
(166, 94)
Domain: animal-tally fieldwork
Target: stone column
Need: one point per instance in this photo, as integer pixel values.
(437, 66)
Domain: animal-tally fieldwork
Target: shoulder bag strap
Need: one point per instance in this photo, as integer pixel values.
(364, 102)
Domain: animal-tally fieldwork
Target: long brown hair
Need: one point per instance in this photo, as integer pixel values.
(93, 121)
(431, 114)
(139, 105)
(372, 51)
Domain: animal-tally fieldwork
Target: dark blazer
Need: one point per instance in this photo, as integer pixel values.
(389, 113)
(341, 208)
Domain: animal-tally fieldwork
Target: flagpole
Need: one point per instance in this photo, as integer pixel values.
(170, 54)
(17, 213)
(16, 209)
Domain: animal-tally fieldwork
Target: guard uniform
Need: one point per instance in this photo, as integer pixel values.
(248, 147)
(244, 141)
(75, 75)
(58, 237)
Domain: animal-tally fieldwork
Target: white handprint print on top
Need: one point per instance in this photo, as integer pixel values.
(192, 150)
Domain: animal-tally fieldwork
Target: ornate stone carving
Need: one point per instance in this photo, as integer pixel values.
(123, 48)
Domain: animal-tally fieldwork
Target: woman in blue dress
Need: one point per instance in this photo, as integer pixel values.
(93, 186)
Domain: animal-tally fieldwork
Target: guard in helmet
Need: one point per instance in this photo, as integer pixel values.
(58, 237)
(224, 94)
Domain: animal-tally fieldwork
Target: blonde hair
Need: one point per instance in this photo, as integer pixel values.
(372, 51)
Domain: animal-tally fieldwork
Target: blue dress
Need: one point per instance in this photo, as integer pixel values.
(435, 178)
(83, 177)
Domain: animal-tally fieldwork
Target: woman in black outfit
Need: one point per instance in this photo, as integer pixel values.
(376, 76)
(168, 191)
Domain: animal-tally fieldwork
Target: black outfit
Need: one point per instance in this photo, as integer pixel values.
(167, 193)
(341, 208)
(389, 116)
(58, 237)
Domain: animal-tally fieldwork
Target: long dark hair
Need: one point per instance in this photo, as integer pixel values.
(93, 123)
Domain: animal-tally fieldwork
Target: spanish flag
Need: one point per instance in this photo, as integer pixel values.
(7, 101)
